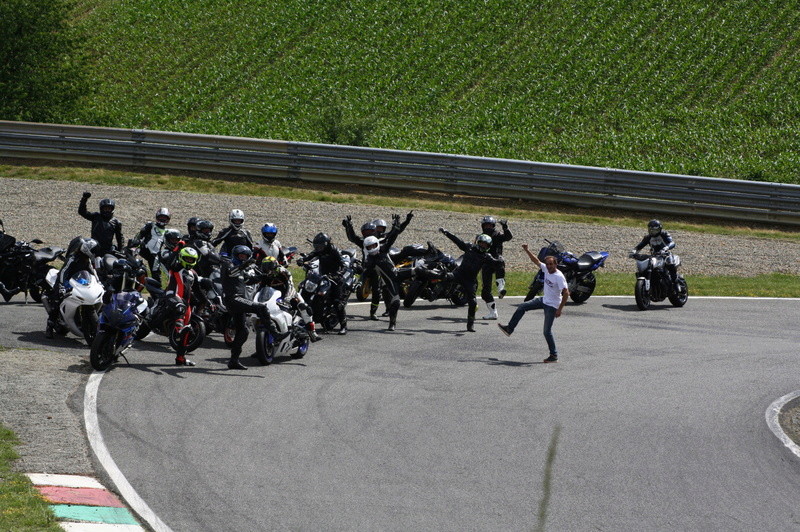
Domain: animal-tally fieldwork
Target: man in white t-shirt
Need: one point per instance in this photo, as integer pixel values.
(553, 301)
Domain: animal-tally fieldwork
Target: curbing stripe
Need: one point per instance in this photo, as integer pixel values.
(64, 481)
(94, 514)
(774, 424)
(100, 527)
(84, 496)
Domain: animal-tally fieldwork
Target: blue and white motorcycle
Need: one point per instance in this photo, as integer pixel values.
(578, 271)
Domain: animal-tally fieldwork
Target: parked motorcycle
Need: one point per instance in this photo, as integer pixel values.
(316, 289)
(164, 316)
(23, 268)
(120, 318)
(427, 279)
(578, 271)
(79, 306)
(653, 282)
(286, 319)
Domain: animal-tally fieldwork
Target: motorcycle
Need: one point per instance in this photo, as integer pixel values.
(653, 283)
(120, 318)
(578, 271)
(170, 316)
(79, 306)
(23, 268)
(286, 318)
(427, 279)
(316, 289)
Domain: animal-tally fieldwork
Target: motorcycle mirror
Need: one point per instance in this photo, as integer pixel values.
(36, 241)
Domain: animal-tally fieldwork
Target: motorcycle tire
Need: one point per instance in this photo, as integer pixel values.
(679, 300)
(458, 297)
(642, 295)
(534, 290)
(412, 293)
(364, 290)
(36, 293)
(302, 349)
(589, 282)
(229, 332)
(265, 353)
(143, 330)
(104, 346)
(197, 333)
(88, 324)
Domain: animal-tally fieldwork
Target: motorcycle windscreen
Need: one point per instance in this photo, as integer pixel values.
(82, 278)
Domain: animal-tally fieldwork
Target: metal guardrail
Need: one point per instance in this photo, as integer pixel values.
(433, 172)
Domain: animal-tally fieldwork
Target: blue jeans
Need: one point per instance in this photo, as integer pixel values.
(549, 317)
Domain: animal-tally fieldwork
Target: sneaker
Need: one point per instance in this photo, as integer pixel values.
(551, 358)
(505, 330)
(183, 361)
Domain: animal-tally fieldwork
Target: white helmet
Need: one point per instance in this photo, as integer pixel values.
(162, 217)
(236, 218)
(371, 245)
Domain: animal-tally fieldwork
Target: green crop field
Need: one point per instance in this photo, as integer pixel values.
(691, 87)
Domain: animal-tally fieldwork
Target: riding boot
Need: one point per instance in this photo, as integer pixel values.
(312, 332)
(343, 327)
(234, 363)
(492, 306)
(471, 317)
(373, 309)
(501, 288)
(392, 321)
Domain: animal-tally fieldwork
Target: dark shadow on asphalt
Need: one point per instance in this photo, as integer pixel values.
(489, 361)
(634, 308)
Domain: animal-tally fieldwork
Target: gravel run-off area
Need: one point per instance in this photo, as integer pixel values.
(42, 401)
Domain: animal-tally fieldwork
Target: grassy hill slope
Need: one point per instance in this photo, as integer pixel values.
(672, 86)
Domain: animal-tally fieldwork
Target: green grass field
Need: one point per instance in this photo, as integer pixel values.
(685, 86)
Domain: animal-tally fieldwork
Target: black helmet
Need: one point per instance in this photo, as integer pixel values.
(380, 225)
(321, 242)
(488, 224)
(238, 251)
(654, 227)
(204, 229)
(107, 208)
(191, 224)
(368, 229)
(171, 237)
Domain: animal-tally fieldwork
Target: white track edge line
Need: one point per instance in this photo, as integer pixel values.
(774, 424)
(101, 451)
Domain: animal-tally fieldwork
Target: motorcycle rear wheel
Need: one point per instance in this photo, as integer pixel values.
(104, 345)
(642, 295)
(265, 353)
(679, 300)
(196, 332)
(36, 293)
(143, 330)
(589, 282)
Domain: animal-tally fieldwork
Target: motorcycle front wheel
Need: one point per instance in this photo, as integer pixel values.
(584, 290)
(642, 295)
(680, 299)
(265, 352)
(534, 289)
(88, 323)
(412, 293)
(196, 333)
(364, 290)
(104, 345)
(302, 349)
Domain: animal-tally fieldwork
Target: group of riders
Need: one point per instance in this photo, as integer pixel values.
(184, 260)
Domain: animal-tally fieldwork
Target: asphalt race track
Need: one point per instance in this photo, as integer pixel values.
(650, 421)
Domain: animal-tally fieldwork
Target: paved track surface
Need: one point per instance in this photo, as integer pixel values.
(651, 420)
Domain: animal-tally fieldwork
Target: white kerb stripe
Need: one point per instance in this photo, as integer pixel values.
(64, 481)
(772, 414)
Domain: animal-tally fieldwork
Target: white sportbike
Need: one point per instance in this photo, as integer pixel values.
(78, 311)
(287, 318)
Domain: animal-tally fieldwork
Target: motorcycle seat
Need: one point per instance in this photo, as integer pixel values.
(47, 254)
(588, 259)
